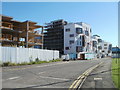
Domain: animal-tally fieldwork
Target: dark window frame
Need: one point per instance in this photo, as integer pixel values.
(79, 30)
(67, 30)
(71, 35)
(71, 42)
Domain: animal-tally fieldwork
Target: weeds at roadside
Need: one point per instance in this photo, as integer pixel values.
(37, 61)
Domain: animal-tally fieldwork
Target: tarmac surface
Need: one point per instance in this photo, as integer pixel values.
(100, 77)
(56, 74)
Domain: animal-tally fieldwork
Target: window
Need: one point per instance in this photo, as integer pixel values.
(105, 47)
(71, 35)
(22, 39)
(80, 42)
(80, 37)
(79, 30)
(99, 47)
(94, 44)
(105, 44)
(99, 40)
(87, 33)
(79, 49)
(68, 30)
(90, 30)
(67, 48)
(71, 41)
(77, 42)
(37, 46)
(38, 37)
(110, 47)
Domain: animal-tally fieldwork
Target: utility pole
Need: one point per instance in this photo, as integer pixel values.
(26, 40)
(42, 33)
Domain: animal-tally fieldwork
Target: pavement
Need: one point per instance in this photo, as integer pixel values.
(51, 75)
(100, 77)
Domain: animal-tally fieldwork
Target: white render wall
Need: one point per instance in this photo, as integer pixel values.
(76, 38)
(19, 55)
(67, 38)
(103, 48)
(99, 51)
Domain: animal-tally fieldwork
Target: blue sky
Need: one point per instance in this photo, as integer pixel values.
(102, 16)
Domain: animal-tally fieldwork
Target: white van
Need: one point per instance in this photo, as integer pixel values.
(65, 57)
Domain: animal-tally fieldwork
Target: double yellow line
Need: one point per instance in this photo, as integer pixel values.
(82, 77)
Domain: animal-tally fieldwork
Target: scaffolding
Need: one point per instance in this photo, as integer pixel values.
(16, 33)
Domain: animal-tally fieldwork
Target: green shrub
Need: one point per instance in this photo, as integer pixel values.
(54, 60)
(24, 63)
(6, 64)
(37, 59)
(12, 64)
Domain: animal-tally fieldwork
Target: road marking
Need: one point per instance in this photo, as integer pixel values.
(13, 78)
(79, 81)
(54, 78)
(41, 72)
(97, 78)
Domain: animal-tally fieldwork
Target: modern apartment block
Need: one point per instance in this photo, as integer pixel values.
(16, 33)
(101, 48)
(115, 52)
(77, 40)
(54, 35)
(105, 48)
(96, 48)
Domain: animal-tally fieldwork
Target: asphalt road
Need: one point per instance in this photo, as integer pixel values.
(49, 75)
(100, 77)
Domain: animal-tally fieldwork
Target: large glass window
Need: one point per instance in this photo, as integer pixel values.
(67, 48)
(94, 44)
(110, 47)
(79, 30)
(99, 40)
(87, 33)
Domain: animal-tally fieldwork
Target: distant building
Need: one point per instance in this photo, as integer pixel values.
(77, 40)
(54, 35)
(95, 40)
(115, 52)
(101, 48)
(106, 48)
(16, 33)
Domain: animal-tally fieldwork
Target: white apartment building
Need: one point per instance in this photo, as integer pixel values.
(105, 48)
(78, 41)
(96, 40)
(101, 48)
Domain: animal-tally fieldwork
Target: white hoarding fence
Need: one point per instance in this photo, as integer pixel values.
(19, 55)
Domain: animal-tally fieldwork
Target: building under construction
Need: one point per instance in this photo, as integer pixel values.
(54, 35)
(16, 33)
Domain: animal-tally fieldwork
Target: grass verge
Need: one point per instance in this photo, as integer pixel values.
(29, 63)
(116, 72)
